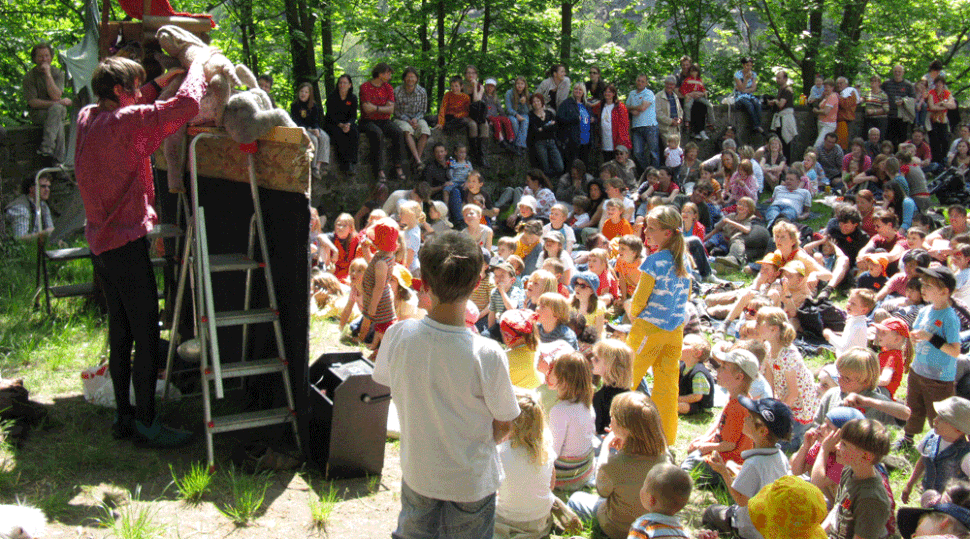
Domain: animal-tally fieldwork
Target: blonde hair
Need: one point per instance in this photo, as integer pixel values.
(473, 207)
(866, 296)
(669, 219)
(787, 228)
(574, 379)
(618, 357)
(775, 316)
(346, 218)
(411, 207)
(862, 361)
(358, 264)
(601, 254)
(529, 429)
(634, 412)
(670, 485)
(558, 304)
(614, 203)
(748, 202)
(673, 138)
(691, 207)
(697, 342)
(545, 281)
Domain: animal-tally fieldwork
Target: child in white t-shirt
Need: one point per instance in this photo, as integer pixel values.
(454, 398)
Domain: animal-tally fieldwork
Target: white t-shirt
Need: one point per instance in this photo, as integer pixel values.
(606, 127)
(526, 493)
(448, 385)
(673, 157)
(963, 285)
(853, 335)
(573, 428)
(762, 466)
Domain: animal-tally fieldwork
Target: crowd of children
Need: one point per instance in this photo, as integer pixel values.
(573, 303)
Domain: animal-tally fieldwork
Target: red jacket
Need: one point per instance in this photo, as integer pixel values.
(621, 126)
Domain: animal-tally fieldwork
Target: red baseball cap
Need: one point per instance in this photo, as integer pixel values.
(896, 325)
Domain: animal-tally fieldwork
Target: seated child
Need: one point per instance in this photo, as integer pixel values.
(824, 473)
(528, 246)
(505, 247)
(726, 436)
(696, 382)
(939, 521)
(585, 302)
(505, 296)
(874, 275)
(557, 223)
(571, 421)
(767, 422)
(862, 506)
(609, 289)
(760, 388)
(639, 445)
(912, 259)
(518, 333)
(482, 234)
(614, 224)
(911, 304)
(555, 267)
(944, 451)
(665, 492)
(540, 282)
(524, 499)
(525, 210)
(613, 363)
(960, 260)
(892, 335)
(355, 301)
(858, 379)
(552, 320)
(579, 218)
(628, 260)
(861, 302)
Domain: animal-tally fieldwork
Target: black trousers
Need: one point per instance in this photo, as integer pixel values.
(376, 131)
(132, 298)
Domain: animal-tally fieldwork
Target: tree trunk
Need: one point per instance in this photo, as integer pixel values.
(300, 30)
(427, 77)
(326, 44)
(812, 44)
(486, 26)
(247, 29)
(850, 30)
(441, 48)
(567, 33)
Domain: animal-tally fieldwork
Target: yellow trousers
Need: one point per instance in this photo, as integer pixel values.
(660, 349)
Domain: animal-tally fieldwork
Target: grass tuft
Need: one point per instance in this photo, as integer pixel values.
(193, 485)
(247, 493)
(322, 507)
(133, 521)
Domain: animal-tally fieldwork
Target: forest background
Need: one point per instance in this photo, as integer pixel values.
(317, 40)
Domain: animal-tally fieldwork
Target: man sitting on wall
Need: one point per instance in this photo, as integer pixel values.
(43, 89)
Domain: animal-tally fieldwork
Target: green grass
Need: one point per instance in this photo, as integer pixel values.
(246, 495)
(193, 484)
(134, 520)
(321, 507)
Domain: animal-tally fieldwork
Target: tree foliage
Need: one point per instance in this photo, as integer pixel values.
(315, 40)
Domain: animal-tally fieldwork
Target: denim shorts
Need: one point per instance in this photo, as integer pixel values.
(427, 517)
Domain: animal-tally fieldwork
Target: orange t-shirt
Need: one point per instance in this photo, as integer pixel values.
(729, 426)
(629, 275)
(612, 230)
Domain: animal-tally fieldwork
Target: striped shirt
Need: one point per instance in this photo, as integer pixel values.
(385, 308)
(656, 525)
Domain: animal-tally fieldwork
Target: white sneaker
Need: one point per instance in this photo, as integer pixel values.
(704, 135)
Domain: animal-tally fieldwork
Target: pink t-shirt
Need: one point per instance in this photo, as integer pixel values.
(114, 174)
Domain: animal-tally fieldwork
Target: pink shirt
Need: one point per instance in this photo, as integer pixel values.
(112, 160)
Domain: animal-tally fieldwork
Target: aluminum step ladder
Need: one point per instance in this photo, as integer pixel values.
(197, 268)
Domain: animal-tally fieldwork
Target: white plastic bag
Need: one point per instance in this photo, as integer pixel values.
(99, 390)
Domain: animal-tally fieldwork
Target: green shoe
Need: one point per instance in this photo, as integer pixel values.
(160, 436)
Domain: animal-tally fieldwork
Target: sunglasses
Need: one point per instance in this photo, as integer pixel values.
(750, 311)
(581, 284)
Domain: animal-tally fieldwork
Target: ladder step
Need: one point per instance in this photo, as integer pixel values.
(71, 290)
(63, 255)
(164, 231)
(252, 316)
(161, 261)
(232, 262)
(248, 368)
(250, 420)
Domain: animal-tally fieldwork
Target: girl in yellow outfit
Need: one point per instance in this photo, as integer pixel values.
(658, 311)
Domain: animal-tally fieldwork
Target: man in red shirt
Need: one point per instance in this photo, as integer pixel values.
(376, 109)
